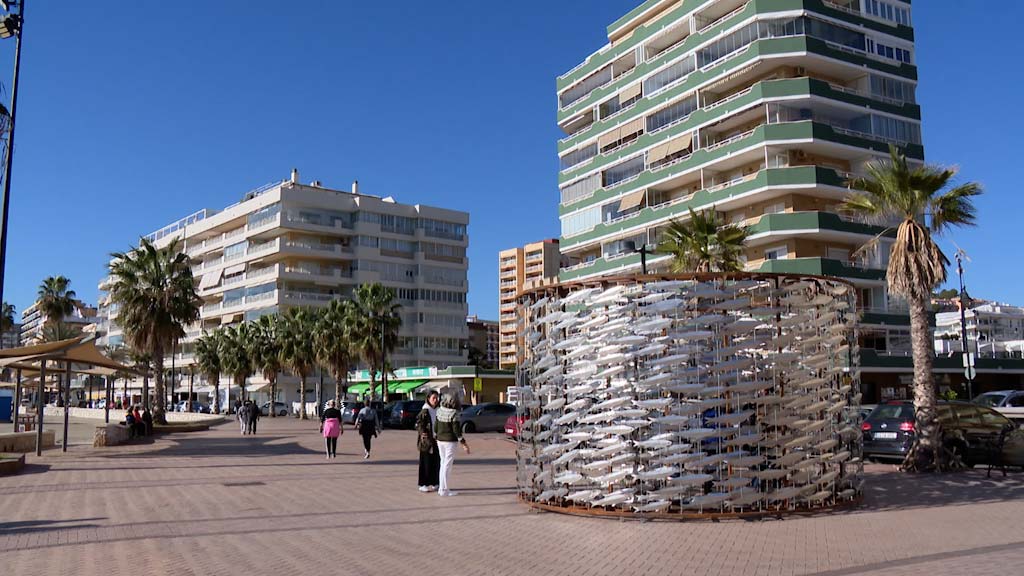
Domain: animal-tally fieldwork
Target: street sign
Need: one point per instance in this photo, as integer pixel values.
(968, 359)
(970, 372)
(478, 384)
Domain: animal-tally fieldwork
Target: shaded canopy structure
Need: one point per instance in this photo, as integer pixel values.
(75, 355)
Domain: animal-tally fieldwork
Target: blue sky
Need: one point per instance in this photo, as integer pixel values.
(133, 114)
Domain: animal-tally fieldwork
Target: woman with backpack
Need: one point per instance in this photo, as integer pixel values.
(367, 423)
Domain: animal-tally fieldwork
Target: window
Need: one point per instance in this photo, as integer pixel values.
(895, 129)
(623, 171)
(968, 415)
(404, 247)
(261, 289)
(443, 276)
(1016, 401)
(993, 419)
(776, 208)
(888, 11)
(890, 52)
(672, 114)
(581, 221)
(397, 224)
(588, 85)
(232, 297)
(776, 253)
(235, 250)
(623, 246)
(891, 88)
(581, 188)
(442, 229)
(264, 215)
(669, 75)
(579, 156)
(442, 250)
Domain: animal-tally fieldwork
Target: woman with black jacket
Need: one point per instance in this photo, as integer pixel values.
(430, 459)
(330, 427)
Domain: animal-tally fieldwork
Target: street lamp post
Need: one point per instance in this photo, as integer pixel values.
(11, 25)
(968, 365)
(383, 361)
(643, 251)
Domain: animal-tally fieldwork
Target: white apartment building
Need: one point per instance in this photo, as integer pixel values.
(33, 320)
(289, 244)
(993, 331)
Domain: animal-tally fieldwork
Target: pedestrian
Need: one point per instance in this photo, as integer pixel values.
(430, 459)
(147, 420)
(448, 432)
(129, 422)
(140, 426)
(330, 427)
(366, 423)
(243, 418)
(254, 416)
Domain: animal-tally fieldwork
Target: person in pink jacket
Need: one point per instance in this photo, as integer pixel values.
(330, 427)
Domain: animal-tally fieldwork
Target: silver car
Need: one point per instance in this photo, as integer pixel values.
(486, 417)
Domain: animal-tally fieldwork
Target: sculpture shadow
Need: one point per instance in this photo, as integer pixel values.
(895, 490)
(217, 447)
(30, 526)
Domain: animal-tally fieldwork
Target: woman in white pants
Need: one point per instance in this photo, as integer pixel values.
(449, 435)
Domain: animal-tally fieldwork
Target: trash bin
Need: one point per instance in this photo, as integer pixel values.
(6, 405)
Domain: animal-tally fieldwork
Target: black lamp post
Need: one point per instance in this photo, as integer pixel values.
(643, 250)
(968, 365)
(11, 25)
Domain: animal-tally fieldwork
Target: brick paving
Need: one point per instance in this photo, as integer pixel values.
(219, 503)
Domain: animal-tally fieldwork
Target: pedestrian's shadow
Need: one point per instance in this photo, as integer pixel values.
(29, 526)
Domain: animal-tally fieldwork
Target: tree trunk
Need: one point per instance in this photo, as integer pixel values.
(337, 389)
(159, 411)
(191, 381)
(273, 397)
(926, 454)
(216, 395)
(302, 398)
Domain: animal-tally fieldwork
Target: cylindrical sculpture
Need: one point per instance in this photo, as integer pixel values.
(684, 396)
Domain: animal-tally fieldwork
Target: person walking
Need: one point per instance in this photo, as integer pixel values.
(366, 423)
(147, 420)
(449, 435)
(243, 418)
(430, 459)
(330, 427)
(254, 416)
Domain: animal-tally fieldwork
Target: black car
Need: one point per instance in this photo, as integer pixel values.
(971, 431)
(349, 410)
(402, 414)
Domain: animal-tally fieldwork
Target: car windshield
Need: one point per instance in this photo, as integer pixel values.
(990, 400)
(893, 412)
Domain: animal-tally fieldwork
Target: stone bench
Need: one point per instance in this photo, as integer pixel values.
(22, 442)
(110, 435)
(11, 463)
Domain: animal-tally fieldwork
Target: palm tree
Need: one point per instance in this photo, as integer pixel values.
(377, 312)
(7, 313)
(704, 243)
(156, 292)
(916, 197)
(59, 331)
(334, 342)
(235, 357)
(56, 299)
(209, 363)
(265, 349)
(297, 351)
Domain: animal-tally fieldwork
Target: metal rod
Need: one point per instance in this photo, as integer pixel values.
(67, 403)
(108, 395)
(17, 398)
(963, 330)
(8, 161)
(41, 391)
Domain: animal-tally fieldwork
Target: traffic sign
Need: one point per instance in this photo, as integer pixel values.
(970, 372)
(478, 385)
(968, 359)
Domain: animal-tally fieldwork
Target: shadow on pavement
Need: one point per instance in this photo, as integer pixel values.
(34, 469)
(215, 447)
(895, 490)
(29, 526)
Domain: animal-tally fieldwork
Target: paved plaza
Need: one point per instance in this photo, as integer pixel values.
(220, 503)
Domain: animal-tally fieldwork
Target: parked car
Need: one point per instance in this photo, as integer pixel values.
(1001, 399)
(280, 408)
(349, 410)
(197, 406)
(513, 424)
(486, 417)
(402, 414)
(969, 430)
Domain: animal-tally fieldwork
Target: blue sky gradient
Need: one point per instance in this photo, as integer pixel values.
(134, 114)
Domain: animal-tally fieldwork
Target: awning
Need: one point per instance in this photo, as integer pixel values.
(256, 387)
(631, 92)
(679, 144)
(234, 269)
(630, 128)
(230, 318)
(631, 200)
(405, 386)
(608, 139)
(211, 279)
(358, 389)
(742, 71)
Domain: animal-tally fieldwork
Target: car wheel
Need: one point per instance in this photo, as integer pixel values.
(282, 413)
(468, 428)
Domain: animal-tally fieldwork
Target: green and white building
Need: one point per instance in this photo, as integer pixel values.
(760, 110)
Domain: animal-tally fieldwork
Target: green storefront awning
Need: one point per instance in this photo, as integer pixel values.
(400, 387)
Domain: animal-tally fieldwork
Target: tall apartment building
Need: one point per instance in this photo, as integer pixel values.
(758, 109)
(520, 268)
(993, 330)
(289, 244)
(33, 320)
(11, 338)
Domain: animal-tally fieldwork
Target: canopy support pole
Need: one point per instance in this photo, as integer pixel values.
(40, 400)
(67, 403)
(17, 398)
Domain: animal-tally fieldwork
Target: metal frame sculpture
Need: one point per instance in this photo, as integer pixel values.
(690, 396)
